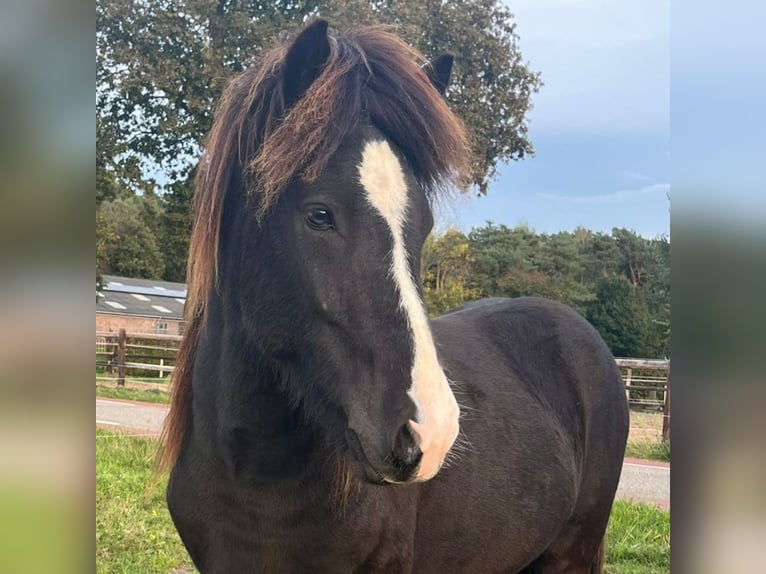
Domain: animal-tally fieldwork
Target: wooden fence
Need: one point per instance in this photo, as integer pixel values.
(136, 357)
(147, 359)
(647, 387)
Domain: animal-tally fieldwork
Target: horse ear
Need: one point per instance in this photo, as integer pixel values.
(304, 61)
(439, 71)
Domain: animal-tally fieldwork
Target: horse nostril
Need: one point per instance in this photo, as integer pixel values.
(406, 450)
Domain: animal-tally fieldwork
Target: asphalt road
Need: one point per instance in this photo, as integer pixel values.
(641, 481)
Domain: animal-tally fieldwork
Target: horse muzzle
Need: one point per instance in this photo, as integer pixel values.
(399, 465)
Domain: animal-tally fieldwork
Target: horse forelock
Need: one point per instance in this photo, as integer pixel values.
(370, 73)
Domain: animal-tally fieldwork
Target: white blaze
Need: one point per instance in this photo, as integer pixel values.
(381, 176)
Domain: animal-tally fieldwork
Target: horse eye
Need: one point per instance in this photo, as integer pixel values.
(320, 218)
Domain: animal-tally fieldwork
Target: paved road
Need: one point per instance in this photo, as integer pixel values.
(640, 481)
(645, 481)
(141, 418)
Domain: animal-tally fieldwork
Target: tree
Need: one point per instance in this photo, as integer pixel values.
(108, 183)
(636, 255)
(601, 257)
(590, 272)
(162, 65)
(499, 251)
(658, 295)
(125, 244)
(619, 316)
(175, 228)
(446, 264)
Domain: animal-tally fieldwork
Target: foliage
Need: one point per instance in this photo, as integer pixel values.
(620, 282)
(175, 228)
(446, 264)
(618, 315)
(134, 533)
(162, 65)
(125, 240)
(108, 184)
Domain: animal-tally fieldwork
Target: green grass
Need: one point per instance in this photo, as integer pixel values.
(147, 396)
(638, 539)
(648, 449)
(134, 533)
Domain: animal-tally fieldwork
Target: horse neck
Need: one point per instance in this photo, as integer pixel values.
(241, 410)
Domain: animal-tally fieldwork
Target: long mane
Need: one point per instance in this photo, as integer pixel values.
(370, 73)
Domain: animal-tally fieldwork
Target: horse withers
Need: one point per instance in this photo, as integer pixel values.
(319, 421)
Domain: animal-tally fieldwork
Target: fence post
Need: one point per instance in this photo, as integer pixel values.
(162, 364)
(112, 356)
(666, 411)
(628, 376)
(121, 358)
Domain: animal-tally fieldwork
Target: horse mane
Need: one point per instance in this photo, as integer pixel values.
(260, 143)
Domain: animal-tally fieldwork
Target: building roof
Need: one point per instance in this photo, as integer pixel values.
(141, 298)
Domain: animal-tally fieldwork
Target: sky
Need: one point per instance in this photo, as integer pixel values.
(600, 124)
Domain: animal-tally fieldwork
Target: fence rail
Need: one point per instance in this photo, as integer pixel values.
(149, 357)
(135, 356)
(647, 387)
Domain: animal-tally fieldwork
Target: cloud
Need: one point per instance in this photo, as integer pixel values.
(649, 192)
(634, 175)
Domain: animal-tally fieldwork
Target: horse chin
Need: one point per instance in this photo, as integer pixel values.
(374, 476)
(368, 470)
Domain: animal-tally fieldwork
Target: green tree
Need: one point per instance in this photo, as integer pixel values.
(619, 315)
(125, 244)
(600, 257)
(162, 65)
(175, 228)
(658, 295)
(498, 252)
(109, 185)
(636, 255)
(446, 264)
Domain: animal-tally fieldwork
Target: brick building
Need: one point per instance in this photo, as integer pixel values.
(140, 306)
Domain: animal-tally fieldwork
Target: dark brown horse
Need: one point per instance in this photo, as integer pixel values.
(320, 422)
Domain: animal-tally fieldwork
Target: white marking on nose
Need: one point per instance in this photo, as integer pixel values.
(382, 178)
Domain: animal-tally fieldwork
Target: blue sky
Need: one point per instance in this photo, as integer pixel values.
(600, 124)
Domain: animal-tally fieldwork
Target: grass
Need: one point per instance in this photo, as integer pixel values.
(648, 449)
(638, 539)
(645, 425)
(126, 393)
(134, 533)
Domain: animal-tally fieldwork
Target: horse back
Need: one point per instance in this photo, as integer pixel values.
(538, 352)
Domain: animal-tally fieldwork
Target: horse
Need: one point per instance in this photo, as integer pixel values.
(320, 421)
